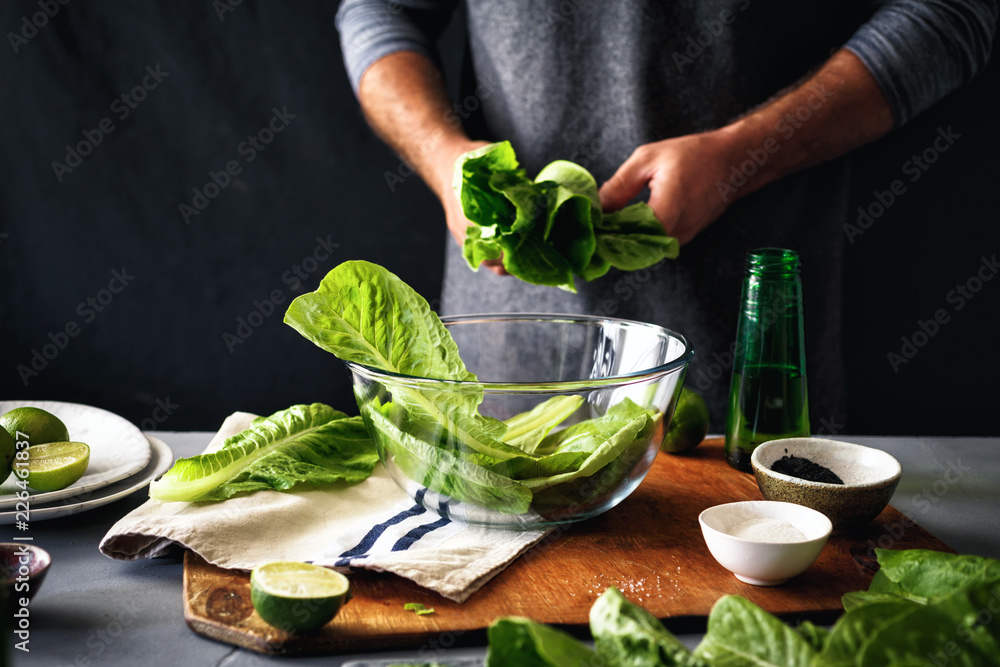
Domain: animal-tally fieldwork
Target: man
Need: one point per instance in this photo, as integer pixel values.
(703, 104)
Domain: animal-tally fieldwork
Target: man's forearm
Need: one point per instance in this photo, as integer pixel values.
(837, 109)
(404, 99)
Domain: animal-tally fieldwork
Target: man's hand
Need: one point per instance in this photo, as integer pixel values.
(689, 178)
(404, 100)
(681, 175)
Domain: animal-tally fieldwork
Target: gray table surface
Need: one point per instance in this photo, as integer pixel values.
(96, 611)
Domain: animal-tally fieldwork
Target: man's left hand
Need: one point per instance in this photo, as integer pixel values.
(682, 176)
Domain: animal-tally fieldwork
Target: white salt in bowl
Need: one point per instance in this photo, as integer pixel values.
(770, 552)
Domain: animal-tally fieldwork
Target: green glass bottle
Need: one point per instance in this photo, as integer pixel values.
(767, 398)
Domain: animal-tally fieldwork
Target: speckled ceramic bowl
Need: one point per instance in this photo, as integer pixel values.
(870, 477)
(22, 573)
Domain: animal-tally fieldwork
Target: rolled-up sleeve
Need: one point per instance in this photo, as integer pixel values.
(921, 50)
(372, 29)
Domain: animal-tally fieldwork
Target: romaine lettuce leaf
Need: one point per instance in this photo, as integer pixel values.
(924, 575)
(551, 229)
(550, 465)
(573, 212)
(962, 619)
(606, 451)
(527, 256)
(628, 635)
(527, 430)
(445, 471)
(302, 444)
(363, 313)
(741, 633)
(857, 628)
(481, 203)
(520, 641)
(632, 238)
(477, 249)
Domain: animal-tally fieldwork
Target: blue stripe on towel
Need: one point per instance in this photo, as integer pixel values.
(368, 541)
(406, 541)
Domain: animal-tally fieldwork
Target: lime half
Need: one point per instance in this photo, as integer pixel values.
(689, 424)
(40, 426)
(56, 465)
(297, 596)
(8, 448)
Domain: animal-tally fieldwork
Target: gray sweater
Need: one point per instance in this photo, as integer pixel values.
(590, 80)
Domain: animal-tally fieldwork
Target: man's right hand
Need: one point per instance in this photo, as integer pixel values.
(404, 100)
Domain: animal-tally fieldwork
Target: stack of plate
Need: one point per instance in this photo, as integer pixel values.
(122, 460)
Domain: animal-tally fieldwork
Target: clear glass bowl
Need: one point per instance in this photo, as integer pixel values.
(613, 383)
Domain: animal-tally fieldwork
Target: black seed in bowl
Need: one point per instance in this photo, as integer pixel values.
(803, 468)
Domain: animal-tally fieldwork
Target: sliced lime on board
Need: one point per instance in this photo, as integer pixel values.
(297, 596)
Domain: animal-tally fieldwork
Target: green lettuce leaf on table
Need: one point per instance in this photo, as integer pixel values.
(311, 444)
(520, 641)
(941, 613)
(550, 229)
(741, 633)
(626, 634)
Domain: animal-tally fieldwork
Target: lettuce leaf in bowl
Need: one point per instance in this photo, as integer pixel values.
(365, 314)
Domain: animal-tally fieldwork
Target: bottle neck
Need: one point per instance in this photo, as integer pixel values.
(773, 263)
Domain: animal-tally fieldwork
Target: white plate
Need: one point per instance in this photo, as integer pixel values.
(117, 448)
(159, 462)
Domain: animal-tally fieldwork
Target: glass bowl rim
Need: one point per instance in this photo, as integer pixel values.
(555, 386)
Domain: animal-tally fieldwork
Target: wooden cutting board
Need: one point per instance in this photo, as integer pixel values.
(650, 547)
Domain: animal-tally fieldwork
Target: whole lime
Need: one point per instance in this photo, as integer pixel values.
(8, 449)
(689, 424)
(38, 425)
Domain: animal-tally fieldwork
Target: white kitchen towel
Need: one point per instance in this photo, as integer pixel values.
(372, 525)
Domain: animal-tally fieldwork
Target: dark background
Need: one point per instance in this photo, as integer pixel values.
(168, 337)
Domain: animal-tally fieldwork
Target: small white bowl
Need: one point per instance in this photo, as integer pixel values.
(764, 563)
